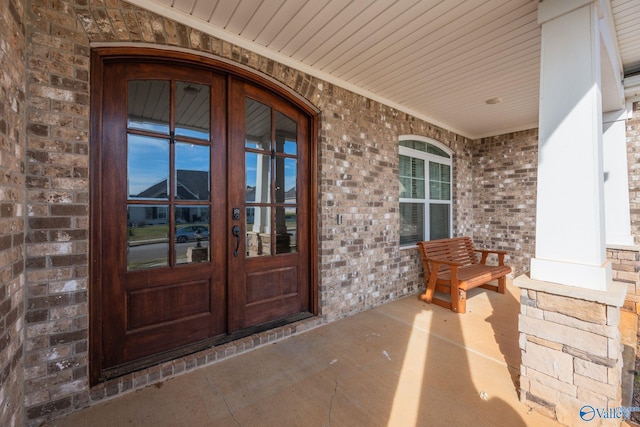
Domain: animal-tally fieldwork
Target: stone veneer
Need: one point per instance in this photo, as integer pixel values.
(12, 202)
(571, 350)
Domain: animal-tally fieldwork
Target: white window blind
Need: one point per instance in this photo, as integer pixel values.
(425, 191)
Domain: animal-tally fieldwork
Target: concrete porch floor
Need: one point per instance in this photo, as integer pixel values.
(405, 363)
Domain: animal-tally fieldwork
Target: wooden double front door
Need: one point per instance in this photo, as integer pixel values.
(201, 206)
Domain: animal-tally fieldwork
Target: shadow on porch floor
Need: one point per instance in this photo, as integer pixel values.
(405, 363)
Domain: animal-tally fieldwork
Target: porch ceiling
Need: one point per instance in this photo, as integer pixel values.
(438, 60)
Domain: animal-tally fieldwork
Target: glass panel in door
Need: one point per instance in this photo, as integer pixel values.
(271, 171)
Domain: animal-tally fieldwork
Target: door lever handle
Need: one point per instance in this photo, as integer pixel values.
(235, 230)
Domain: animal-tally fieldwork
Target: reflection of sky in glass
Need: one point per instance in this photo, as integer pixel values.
(192, 157)
(290, 147)
(251, 172)
(148, 162)
(289, 174)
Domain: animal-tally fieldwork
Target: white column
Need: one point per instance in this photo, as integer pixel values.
(262, 219)
(570, 224)
(616, 181)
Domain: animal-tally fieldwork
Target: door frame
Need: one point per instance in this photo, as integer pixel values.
(103, 55)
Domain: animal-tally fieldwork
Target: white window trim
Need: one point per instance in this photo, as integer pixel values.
(406, 151)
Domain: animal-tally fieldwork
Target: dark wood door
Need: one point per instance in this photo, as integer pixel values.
(204, 205)
(269, 274)
(163, 160)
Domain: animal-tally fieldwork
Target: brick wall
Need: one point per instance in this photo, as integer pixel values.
(625, 266)
(57, 205)
(12, 203)
(504, 206)
(504, 197)
(358, 261)
(633, 158)
(360, 265)
(626, 261)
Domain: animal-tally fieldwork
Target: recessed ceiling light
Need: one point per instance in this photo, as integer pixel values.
(495, 100)
(191, 90)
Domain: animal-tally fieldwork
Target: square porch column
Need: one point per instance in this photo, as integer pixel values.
(570, 225)
(570, 307)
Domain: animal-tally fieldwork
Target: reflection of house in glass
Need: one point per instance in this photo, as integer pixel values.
(139, 216)
(190, 185)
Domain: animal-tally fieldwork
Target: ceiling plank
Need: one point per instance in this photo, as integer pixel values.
(286, 27)
(223, 13)
(263, 16)
(204, 9)
(185, 6)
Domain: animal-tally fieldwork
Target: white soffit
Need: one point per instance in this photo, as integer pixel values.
(436, 60)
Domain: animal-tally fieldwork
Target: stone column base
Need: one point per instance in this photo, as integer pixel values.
(571, 352)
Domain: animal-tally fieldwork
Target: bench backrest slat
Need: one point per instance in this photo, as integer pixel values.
(457, 249)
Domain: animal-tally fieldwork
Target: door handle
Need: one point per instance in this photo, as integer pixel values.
(235, 230)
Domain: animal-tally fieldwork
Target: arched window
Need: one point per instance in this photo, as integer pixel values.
(425, 190)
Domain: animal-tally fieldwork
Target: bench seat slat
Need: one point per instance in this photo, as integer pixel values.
(476, 275)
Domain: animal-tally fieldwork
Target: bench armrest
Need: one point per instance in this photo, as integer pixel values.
(486, 252)
(491, 251)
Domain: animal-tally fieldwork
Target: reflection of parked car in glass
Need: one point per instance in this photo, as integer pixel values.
(192, 232)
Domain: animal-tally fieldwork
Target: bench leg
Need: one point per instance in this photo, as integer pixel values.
(458, 299)
(502, 284)
(430, 289)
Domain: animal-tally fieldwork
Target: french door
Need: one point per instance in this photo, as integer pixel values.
(201, 228)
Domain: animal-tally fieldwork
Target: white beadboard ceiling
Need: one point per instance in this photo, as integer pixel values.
(439, 60)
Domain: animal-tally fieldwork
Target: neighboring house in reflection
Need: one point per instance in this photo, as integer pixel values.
(192, 185)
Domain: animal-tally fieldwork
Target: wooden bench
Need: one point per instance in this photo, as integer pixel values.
(452, 266)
